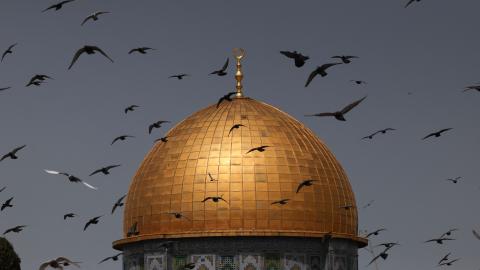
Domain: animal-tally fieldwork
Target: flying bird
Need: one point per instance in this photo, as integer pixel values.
(340, 115)
(211, 178)
(71, 178)
(236, 126)
(58, 6)
(113, 258)
(157, 124)
(89, 50)
(214, 199)
(94, 16)
(305, 183)
(4, 88)
(444, 258)
(58, 263)
(2, 189)
(227, 97)
(141, 50)
(475, 233)
(359, 82)
(7, 203)
(259, 149)
(133, 231)
(13, 154)
(376, 232)
(368, 204)
(8, 51)
(411, 2)
(121, 138)
(221, 72)
(449, 232)
(383, 255)
(15, 229)
(178, 215)
(36, 83)
(299, 58)
(163, 139)
(454, 180)
(320, 70)
(131, 108)
(436, 134)
(439, 240)
(94, 220)
(449, 263)
(118, 203)
(473, 87)
(179, 76)
(383, 131)
(388, 244)
(104, 170)
(39, 78)
(281, 202)
(346, 59)
(69, 215)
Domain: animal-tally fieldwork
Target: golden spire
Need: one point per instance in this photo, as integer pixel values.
(239, 53)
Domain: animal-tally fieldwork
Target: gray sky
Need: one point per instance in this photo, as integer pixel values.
(429, 49)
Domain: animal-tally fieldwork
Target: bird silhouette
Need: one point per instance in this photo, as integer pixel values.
(473, 87)
(340, 115)
(368, 204)
(305, 183)
(118, 203)
(281, 202)
(157, 124)
(227, 97)
(211, 177)
(444, 258)
(236, 126)
(388, 244)
(58, 6)
(7, 203)
(359, 82)
(71, 178)
(37, 78)
(449, 232)
(121, 138)
(92, 221)
(58, 263)
(449, 263)
(8, 51)
(35, 83)
(141, 50)
(383, 255)
(320, 70)
(383, 131)
(436, 134)
(411, 2)
(179, 76)
(94, 16)
(476, 234)
(178, 215)
(214, 199)
(13, 154)
(69, 215)
(2, 189)
(346, 59)
(89, 49)
(454, 180)
(113, 258)
(15, 229)
(259, 149)
(5, 88)
(133, 230)
(299, 58)
(221, 72)
(376, 232)
(162, 139)
(105, 170)
(439, 240)
(130, 108)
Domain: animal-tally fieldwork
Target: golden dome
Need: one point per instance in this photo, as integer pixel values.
(174, 177)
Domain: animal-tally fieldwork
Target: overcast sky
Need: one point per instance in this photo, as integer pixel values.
(416, 62)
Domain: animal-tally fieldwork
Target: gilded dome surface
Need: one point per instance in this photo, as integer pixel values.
(175, 177)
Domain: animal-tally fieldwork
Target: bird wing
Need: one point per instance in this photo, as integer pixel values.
(225, 65)
(116, 139)
(50, 7)
(133, 50)
(322, 114)
(220, 101)
(14, 151)
(443, 130)
(328, 65)
(52, 172)
(121, 199)
(95, 172)
(409, 3)
(311, 76)
(63, 259)
(102, 52)
(86, 19)
(428, 136)
(352, 105)
(88, 185)
(289, 54)
(112, 166)
(44, 266)
(76, 56)
(5, 88)
(206, 199)
(104, 260)
(475, 233)
(374, 259)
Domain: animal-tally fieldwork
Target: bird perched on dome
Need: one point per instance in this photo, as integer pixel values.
(94, 16)
(299, 58)
(340, 115)
(88, 49)
(133, 231)
(13, 154)
(221, 72)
